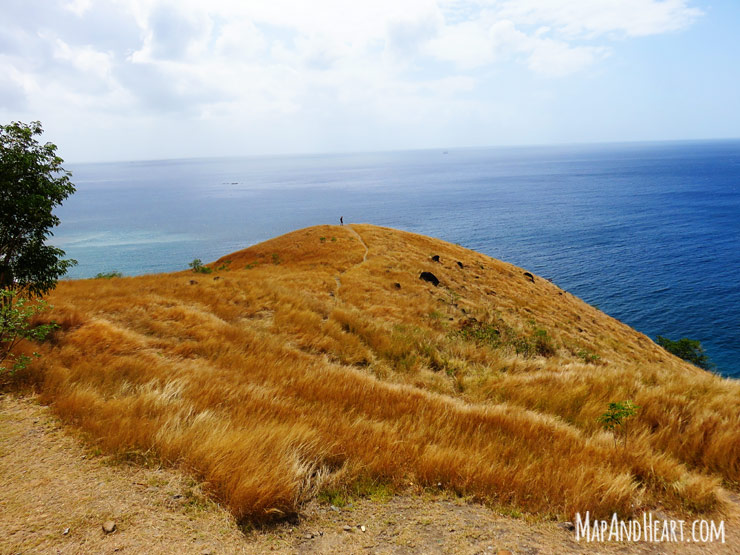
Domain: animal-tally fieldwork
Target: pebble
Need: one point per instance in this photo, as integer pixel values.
(66, 531)
(362, 528)
(109, 527)
(336, 509)
(347, 528)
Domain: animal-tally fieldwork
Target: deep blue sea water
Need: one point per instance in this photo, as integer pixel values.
(648, 232)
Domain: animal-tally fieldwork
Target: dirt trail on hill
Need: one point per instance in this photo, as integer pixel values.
(364, 259)
(367, 250)
(55, 493)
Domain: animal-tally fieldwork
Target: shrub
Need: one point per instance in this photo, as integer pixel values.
(224, 266)
(588, 356)
(615, 418)
(687, 349)
(108, 275)
(16, 316)
(199, 268)
(542, 344)
(480, 332)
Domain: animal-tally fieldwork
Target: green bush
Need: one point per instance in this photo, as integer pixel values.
(16, 316)
(687, 349)
(615, 419)
(198, 267)
(108, 275)
(496, 335)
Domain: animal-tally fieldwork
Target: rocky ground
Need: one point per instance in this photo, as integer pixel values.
(57, 495)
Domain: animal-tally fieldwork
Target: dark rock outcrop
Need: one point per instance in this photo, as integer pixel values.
(435, 258)
(529, 276)
(430, 277)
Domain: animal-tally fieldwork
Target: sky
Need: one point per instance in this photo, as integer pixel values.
(154, 79)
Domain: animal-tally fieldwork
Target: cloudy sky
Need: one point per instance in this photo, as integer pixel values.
(147, 79)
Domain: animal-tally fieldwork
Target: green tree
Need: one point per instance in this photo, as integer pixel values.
(198, 267)
(32, 183)
(615, 419)
(687, 349)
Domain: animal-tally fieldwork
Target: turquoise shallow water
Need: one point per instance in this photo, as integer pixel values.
(650, 233)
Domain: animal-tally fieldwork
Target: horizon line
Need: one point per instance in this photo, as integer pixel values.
(306, 154)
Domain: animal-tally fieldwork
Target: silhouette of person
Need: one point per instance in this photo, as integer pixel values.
(341, 220)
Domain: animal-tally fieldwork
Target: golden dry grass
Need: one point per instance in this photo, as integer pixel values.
(319, 361)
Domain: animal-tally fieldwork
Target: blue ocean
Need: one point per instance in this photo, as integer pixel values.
(648, 232)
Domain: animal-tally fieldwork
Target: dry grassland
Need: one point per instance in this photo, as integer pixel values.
(318, 364)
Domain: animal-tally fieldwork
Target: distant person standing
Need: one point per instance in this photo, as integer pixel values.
(341, 220)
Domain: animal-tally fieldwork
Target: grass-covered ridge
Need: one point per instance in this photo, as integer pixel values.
(303, 366)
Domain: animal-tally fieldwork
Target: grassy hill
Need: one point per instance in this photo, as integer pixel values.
(319, 364)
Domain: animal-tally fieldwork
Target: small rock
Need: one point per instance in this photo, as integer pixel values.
(109, 527)
(435, 258)
(335, 509)
(308, 536)
(567, 526)
(177, 496)
(529, 276)
(460, 264)
(397, 285)
(347, 528)
(362, 528)
(66, 532)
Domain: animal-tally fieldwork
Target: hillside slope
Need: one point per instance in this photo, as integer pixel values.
(318, 363)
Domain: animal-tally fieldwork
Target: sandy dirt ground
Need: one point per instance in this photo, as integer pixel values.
(56, 492)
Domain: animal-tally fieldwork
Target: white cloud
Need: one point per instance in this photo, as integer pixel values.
(292, 63)
(84, 58)
(593, 18)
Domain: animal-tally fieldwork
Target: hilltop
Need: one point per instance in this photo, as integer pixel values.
(319, 367)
